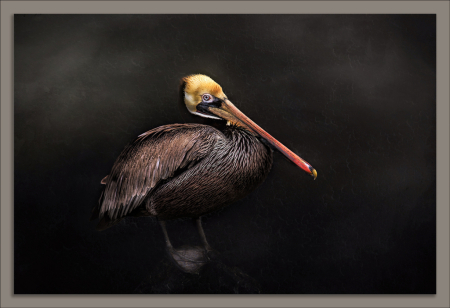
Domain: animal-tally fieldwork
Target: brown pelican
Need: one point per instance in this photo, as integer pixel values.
(189, 170)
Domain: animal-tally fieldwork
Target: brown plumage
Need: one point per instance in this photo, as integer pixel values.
(189, 170)
(182, 170)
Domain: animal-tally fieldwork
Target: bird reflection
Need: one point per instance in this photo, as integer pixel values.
(189, 258)
(195, 269)
(196, 273)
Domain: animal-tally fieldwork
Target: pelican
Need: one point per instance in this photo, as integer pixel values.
(189, 170)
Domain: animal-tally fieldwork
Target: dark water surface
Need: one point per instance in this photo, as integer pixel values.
(354, 95)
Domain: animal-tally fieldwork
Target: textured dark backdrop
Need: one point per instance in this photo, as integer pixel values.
(354, 95)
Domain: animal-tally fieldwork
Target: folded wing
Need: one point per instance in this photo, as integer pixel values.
(152, 158)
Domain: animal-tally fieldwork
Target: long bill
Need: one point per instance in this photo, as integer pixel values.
(229, 112)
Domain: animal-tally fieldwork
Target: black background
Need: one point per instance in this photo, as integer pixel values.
(354, 95)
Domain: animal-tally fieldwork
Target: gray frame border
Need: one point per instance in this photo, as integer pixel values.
(441, 8)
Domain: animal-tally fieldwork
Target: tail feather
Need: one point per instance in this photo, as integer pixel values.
(105, 221)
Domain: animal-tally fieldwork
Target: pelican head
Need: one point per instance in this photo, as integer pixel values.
(201, 90)
(204, 97)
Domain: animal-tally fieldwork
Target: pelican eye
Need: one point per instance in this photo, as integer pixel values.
(207, 98)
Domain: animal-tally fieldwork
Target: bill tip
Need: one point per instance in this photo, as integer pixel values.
(314, 174)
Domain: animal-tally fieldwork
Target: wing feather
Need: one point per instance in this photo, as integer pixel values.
(153, 157)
